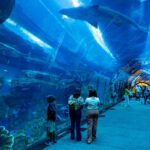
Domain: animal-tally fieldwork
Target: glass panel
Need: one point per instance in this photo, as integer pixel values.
(51, 47)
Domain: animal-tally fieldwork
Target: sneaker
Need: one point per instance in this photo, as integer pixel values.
(89, 141)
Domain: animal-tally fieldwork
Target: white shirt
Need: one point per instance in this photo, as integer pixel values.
(92, 103)
(138, 89)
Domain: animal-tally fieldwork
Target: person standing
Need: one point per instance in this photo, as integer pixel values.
(145, 95)
(126, 96)
(92, 104)
(130, 94)
(51, 120)
(138, 92)
(75, 103)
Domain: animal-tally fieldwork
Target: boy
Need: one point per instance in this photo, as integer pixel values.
(51, 120)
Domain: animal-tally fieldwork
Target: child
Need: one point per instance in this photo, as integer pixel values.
(51, 119)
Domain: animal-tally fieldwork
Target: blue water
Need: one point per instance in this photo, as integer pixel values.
(44, 52)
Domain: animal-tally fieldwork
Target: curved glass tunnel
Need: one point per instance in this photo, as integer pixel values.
(53, 47)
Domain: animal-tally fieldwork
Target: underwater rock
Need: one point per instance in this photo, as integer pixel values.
(20, 142)
(6, 140)
(35, 130)
(21, 139)
(6, 7)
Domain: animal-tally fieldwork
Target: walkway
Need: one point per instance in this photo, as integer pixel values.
(121, 128)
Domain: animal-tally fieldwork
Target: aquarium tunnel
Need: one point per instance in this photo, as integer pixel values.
(52, 47)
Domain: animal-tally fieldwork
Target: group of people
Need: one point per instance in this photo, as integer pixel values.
(92, 104)
(141, 93)
(76, 104)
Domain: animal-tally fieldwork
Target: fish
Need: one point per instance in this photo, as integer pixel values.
(96, 14)
(6, 7)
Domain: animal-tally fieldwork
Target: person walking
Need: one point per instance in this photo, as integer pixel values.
(138, 92)
(92, 104)
(130, 94)
(126, 96)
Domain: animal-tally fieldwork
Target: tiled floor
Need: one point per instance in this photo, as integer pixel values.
(122, 128)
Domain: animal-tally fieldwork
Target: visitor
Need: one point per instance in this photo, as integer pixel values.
(138, 92)
(126, 96)
(92, 104)
(75, 103)
(145, 95)
(51, 120)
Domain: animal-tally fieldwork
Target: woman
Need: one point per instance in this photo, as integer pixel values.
(92, 104)
(75, 105)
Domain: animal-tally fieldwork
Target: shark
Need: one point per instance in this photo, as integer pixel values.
(96, 14)
(6, 7)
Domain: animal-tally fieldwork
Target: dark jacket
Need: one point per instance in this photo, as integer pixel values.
(51, 112)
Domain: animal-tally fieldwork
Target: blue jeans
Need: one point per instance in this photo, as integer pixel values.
(75, 117)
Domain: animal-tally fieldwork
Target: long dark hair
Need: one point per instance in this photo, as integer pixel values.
(76, 93)
(92, 93)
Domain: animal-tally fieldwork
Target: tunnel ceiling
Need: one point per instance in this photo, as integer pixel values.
(120, 41)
